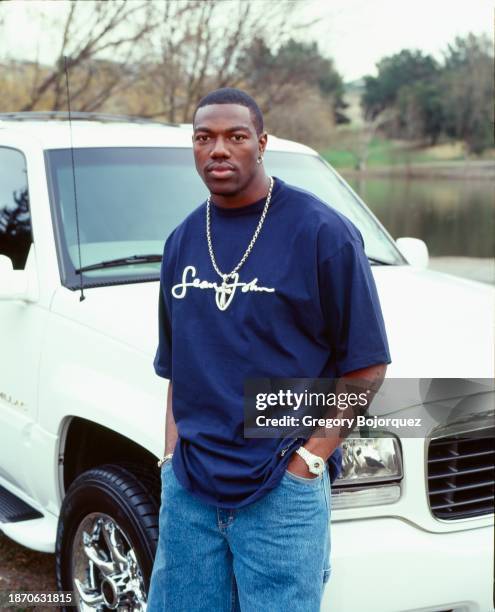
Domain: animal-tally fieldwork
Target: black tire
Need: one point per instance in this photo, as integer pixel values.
(124, 494)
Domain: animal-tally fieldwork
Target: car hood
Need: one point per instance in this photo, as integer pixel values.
(437, 325)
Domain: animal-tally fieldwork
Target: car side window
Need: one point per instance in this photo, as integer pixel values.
(15, 217)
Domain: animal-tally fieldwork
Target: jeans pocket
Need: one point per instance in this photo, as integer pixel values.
(302, 479)
(166, 467)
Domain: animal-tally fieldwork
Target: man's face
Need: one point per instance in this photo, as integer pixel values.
(226, 147)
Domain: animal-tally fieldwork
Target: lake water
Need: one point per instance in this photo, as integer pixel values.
(455, 217)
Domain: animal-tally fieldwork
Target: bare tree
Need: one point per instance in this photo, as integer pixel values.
(115, 27)
(183, 55)
(306, 118)
(202, 43)
(157, 58)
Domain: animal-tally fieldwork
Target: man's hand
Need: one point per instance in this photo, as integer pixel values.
(171, 434)
(324, 446)
(298, 466)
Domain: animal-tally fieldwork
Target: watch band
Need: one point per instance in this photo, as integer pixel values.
(315, 464)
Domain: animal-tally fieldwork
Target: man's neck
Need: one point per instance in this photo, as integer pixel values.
(256, 190)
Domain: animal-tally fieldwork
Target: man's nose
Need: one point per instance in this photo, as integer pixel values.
(220, 149)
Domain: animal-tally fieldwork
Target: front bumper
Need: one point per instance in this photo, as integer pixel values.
(389, 565)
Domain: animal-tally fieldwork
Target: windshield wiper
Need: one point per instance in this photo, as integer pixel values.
(122, 261)
(138, 259)
(379, 262)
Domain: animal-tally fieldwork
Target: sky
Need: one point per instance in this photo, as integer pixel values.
(356, 34)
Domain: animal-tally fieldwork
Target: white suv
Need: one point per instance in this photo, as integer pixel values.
(82, 411)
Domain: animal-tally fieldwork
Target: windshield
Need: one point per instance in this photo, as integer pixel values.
(130, 199)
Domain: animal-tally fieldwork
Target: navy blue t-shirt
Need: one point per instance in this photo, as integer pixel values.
(305, 306)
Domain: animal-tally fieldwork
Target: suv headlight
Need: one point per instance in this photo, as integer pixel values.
(371, 471)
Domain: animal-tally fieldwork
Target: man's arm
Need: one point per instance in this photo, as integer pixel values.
(324, 446)
(170, 427)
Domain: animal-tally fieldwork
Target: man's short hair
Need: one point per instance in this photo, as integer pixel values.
(230, 95)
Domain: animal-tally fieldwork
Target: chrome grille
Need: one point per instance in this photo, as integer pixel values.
(461, 475)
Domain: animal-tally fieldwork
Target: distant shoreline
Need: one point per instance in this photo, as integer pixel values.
(464, 170)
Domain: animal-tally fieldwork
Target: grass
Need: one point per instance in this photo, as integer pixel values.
(383, 152)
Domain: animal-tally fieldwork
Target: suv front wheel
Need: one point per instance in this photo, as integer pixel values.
(106, 538)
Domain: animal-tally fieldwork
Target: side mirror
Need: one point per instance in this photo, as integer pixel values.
(415, 251)
(13, 283)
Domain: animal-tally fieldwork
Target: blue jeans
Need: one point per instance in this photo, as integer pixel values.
(271, 555)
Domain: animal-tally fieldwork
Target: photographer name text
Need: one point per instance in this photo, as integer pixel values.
(359, 421)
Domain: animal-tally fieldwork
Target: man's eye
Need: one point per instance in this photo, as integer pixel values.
(238, 137)
(201, 138)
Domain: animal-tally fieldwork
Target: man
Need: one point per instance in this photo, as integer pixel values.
(262, 281)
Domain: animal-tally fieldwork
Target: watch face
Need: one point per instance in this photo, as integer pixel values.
(318, 465)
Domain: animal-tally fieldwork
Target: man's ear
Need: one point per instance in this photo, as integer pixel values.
(262, 141)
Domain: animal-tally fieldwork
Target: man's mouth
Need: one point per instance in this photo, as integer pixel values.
(220, 171)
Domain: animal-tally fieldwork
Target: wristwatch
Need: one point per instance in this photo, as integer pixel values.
(316, 465)
(163, 459)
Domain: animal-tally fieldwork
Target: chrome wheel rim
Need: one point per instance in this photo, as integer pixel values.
(105, 570)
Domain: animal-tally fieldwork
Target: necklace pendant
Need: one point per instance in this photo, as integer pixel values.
(225, 293)
(222, 297)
